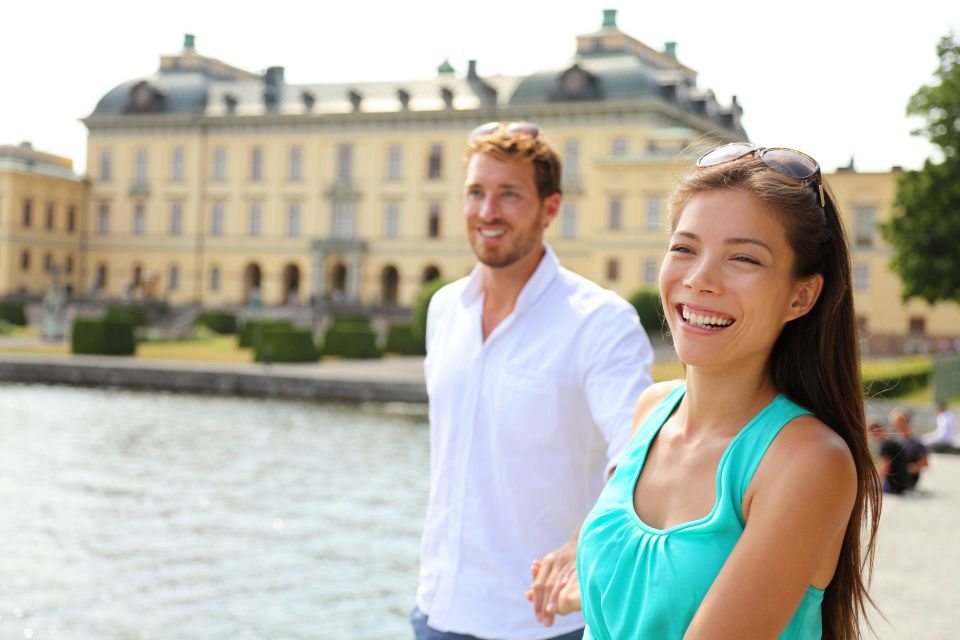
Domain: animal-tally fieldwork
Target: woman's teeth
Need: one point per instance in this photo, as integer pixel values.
(703, 320)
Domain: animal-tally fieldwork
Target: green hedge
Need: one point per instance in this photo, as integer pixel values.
(401, 339)
(279, 344)
(896, 378)
(252, 328)
(650, 309)
(13, 313)
(420, 307)
(135, 314)
(222, 322)
(351, 342)
(351, 320)
(103, 337)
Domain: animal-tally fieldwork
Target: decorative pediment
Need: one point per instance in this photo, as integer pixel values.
(145, 98)
(577, 83)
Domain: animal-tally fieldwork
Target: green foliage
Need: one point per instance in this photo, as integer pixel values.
(924, 233)
(351, 320)
(894, 378)
(253, 329)
(13, 313)
(6, 328)
(648, 306)
(103, 337)
(420, 307)
(222, 322)
(135, 314)
(400, 339)
(282, 344)
(351, 341)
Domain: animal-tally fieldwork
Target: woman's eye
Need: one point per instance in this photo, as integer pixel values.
(746, 259)
(680, 248)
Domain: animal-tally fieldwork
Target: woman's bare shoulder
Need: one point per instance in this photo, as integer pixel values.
(650, 398)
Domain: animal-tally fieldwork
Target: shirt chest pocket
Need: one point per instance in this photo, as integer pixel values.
(527, 411)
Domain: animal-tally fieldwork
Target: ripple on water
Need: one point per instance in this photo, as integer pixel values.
(158, 515)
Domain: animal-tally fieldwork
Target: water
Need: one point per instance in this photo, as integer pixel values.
(127, 515)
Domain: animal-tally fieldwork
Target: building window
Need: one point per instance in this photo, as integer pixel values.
(616, 214)
(103, 218)
(394, 162)
(342, 220)
(861, 277)
(219, 173)
(101, 281)
(296, 164)
(106, 165)
(865, 220)
(568, 222)
(139, 219)
(27, 213)
(49, 221)
(344, 162)
(650, 268)
(173, 278)
(293, 220)
(214, 278)
(571, 158)
(917, 326)
(25, 260)
(618, 146)
(391, 222)
(653, 213)
(176, 219)
(255, 223)
(68, 265)
(71, 219)
(433, 221)
(176, 165)
(256, 164)
(435, 162)
(47, 263)
(140, 166)
(613, 270)
(216, 218)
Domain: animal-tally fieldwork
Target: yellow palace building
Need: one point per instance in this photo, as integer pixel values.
(210, 184)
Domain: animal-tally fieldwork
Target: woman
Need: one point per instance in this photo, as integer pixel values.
(737, 509)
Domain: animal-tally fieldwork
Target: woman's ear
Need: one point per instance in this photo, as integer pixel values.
(805, 295)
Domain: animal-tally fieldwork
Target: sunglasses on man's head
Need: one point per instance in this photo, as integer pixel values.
(526, 128)
(787, 162)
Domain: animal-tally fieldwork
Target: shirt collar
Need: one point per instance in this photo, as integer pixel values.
(544, 274)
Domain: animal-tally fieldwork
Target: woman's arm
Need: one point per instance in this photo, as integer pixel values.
(796, 508)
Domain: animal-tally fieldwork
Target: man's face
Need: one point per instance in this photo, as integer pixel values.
(505, 216)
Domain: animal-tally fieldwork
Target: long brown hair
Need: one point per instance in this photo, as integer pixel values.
(815, 360)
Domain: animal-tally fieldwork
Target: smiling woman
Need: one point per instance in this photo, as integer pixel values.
(737, 510)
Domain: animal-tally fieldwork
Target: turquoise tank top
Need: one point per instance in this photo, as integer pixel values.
(638, 582)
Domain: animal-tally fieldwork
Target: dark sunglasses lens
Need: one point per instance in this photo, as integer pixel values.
(790, 163)
(726, 153)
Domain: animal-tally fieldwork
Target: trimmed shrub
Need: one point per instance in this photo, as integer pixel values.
(351, 342)
(251, 329)
(895, 379)
(103, 337)
(400, 339)
(135, 314)
(420, 308)
(279, 344)
(222, 322)
(649, 308)
(13, 313)
(351, 320)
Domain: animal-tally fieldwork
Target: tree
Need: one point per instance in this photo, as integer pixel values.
(925, 235)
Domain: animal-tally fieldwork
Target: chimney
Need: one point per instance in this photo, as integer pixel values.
(273, 76)
(188, 43)
(670, 48)
(609, 19)
(472, 69)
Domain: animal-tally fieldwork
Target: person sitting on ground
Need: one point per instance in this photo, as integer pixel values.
(914, 450)
(944, 436)
(891, 460)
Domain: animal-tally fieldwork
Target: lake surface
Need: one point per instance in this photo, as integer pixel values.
(130, 515)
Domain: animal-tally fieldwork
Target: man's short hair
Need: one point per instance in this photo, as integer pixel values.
(519, 146)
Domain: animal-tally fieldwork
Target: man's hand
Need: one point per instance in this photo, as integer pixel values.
(555, 589)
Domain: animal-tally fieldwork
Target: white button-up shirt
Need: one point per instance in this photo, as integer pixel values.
(523, 427)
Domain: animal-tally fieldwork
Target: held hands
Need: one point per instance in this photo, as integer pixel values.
(555, 589)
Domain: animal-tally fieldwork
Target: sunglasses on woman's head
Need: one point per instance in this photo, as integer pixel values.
(526, 128)
(787, 162)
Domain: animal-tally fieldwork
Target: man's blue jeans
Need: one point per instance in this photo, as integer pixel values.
(422, 631)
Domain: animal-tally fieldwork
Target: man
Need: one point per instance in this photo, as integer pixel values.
(532, 373)
(913, 450)
(943, 437)
(891, 460)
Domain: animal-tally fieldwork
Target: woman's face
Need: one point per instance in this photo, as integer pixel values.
(727, 280)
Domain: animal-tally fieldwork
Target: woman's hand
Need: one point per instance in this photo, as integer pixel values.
(555, 589)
